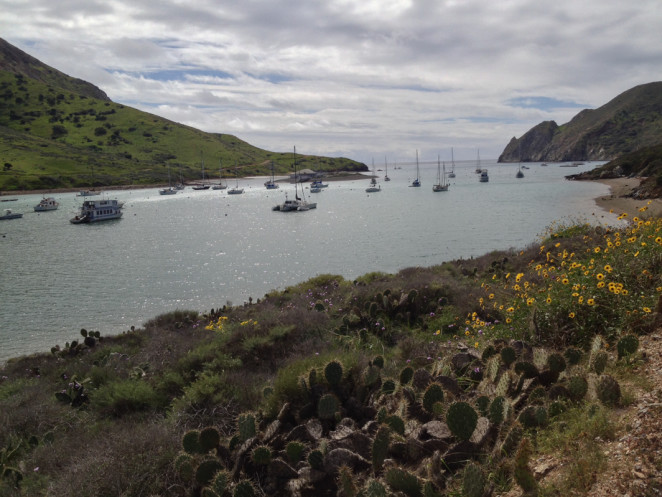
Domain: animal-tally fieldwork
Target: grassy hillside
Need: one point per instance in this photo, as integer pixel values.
(429, 382)
(53, 138)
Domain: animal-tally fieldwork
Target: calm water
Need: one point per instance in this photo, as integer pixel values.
(198, 250)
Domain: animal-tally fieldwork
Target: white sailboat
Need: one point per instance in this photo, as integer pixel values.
(202, 186)
(451, 174)
(271, 184)
(170, 190)
(236, 190)
(299, 203)
(417, 182)
(374, 187)
(221, 185)
(442, 184)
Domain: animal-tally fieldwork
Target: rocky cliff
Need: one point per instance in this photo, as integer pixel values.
(629, 122)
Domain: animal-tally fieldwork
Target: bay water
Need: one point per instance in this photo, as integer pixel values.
(199, 250)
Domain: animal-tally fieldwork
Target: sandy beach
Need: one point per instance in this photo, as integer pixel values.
(617, 201)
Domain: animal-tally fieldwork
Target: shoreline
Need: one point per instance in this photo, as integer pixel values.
(619, 199)
(340, 176)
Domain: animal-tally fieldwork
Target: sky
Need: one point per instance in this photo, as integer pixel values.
(371, 80)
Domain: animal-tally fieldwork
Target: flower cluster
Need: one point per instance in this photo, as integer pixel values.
(218, 325)
(606, 282)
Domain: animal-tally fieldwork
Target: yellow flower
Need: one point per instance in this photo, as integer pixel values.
(600, 276)
(596, 250)
(571, 315)
(608, 268)
(510, 309)
(646, 310)
(565, 281)
(476, 345)
(467, 333)
(508, 320)
(549, 300)
(601, 284)
(490, 296)
(590, 301)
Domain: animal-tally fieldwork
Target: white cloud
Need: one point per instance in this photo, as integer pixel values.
(357, 78)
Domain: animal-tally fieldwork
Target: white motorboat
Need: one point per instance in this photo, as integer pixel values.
(93, 211)
(46, 204)
(10, 215)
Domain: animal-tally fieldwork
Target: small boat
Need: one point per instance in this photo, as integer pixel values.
(544, 164)
(88, 193)
(386, 178)
(374, 187)
(170, 190)
(442, 184)
(236, 190)
(10, 215)
(271, 184)
(46, 204)
(221, 185)
(484, 177)
(93, 211)
(299, 203)
(479, 170)
(318, 183)
(451, 173)
(315, 189)
(417, 182)
(202, 186)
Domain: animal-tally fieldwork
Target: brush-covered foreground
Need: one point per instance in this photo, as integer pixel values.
(433, 381)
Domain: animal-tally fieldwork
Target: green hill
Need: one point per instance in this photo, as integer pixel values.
(630, 122)
(61, 132)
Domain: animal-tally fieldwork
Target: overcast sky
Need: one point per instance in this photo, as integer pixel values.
(360, 79)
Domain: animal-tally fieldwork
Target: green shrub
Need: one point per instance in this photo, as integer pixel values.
(127, 396)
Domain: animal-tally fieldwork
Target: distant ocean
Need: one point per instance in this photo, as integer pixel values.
(202, 249)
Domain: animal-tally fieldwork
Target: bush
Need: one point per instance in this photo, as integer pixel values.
(127, 396)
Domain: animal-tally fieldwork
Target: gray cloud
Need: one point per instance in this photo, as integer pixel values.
(355, 78)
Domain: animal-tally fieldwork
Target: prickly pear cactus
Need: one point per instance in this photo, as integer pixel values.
(403, 481)
(244, 489)
(247, 427)
(191, 442)
(599, 362)
(461, 419)
(406, 375)
(333, 373)
(608, 390)
(627, 346)
(328, 406)
(473, 481)
(577, 387)
(316, 459)
(508, 355)
(209, 439)
(433, 394)
(380, 447)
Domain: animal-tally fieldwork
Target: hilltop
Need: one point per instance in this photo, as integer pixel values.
(61, 132)
(630, 122)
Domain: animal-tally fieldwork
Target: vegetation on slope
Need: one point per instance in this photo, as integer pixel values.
(432, 381)
(55, 138)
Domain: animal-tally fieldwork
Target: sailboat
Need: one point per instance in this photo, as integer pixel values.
(202, 186)
(170, 190)
(417, 181)
(374, 187)
(451, 174)
(442, 184)
(221, 185)
(271, 184)
(236, 190)
(386, 178)
(519, 174)
(299, 203)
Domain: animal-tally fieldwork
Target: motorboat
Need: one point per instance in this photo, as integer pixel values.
(88, 193)
(46, 204)
(10, 215)
(93, 211)
(484, 177)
